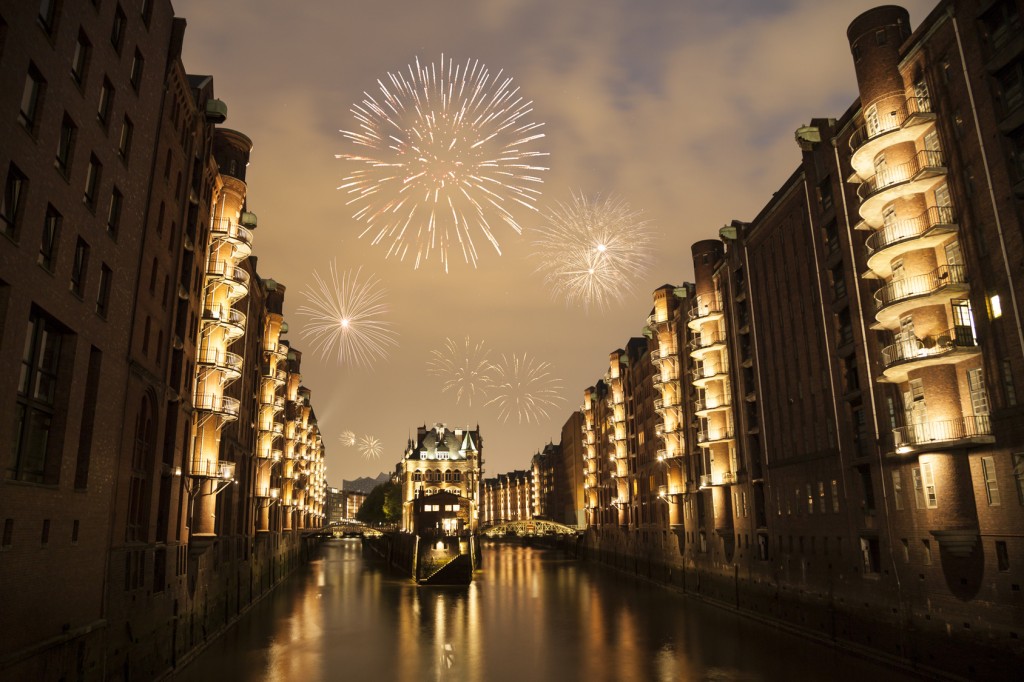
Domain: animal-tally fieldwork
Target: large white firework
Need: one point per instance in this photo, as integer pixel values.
(346, 317)
(444, 152)
(593, 250)
(464, 367)
(348, 438)
(524, 388)
(370, 447)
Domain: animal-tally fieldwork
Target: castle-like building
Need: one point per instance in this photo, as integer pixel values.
(439, 460)
(163, 461)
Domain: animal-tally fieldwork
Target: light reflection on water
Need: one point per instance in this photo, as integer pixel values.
(530, 615)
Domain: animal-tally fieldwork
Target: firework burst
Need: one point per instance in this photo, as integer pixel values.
(524, 388)
(593, 250)
(463, 367)
(370, 447)
(348, 439)
(346, 318)
(444, 152)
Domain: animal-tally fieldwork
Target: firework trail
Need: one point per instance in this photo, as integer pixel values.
(593, 250)
(370, 447)
(444, 152)
(463, 367)
(524, 388)
(346, 318)
(348, 439)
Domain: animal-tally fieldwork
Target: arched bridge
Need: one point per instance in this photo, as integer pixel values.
(531, 527)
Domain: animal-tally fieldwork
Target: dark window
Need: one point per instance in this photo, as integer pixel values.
(124, 144)
(45, 538)
(74, 532)
(92, 383)
(106, 102)
(147, 11)
(1018, 475)
(1001, 22)
(1010, 84)
(880, 37)
(8, 533)
(103, 292)
(50, 238)
(1002, 556)
(117, 29)
(80, 58)
(138, 485)
(13, 201)
(1009, 388)
(48, 15)
(114, 212)
(1016, 149)
(36, 455)
(92, 182)
(79, 267)
(870, 554)
(31, 99)
(66, 145)
(136, 73)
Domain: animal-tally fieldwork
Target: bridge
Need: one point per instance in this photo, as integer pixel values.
(341, 530)
(528, 528)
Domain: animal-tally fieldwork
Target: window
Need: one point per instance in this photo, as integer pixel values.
(976, 385)
(48, 16)
(1002, 556)
(919, 501)
(79, 267)
(80, 58)
(988, 473)
(146, 11)
(103, 292)
(870, 554)
(906, 550)
(897, 489)
(138, 489)
(1010, 86)
(136, 74)
(117, 29)
(106, 102)
(31, 99)
(36, 458)
(1009, 389)
(880, 37)
(124, 143)
(995, 307)
(50, 238)
(926, 545)
(114, 212)
(66, 146)
(810, 499)
(92, 182)
(12, 202)
(835, 496)
(1018, 475)
(928, 480)
(1001, 22)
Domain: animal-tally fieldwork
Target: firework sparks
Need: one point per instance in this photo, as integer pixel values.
(593, 250)
(370, 447)
(346, 318)
(348, 439)
(524, 388)
(463, 367)
(444, 151)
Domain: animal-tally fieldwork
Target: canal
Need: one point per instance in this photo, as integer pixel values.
(532, 614)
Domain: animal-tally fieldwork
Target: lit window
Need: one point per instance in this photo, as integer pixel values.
(928, 480)
(995, 308)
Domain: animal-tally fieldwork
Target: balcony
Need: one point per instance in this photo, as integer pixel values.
(665, 378)
(705, 342)
(898, 125)
(925, 231)
(233, 233)
(709, 371)
(724, 478)
(703, 407)
(233, 277)
(662, 404)
(278, 403)
(707, 309)
(653, 322)
(208, 468)
(950, 433)
(233, 321)
(218, 404)
(900, 296)
(916, 176)
(664, 355)
(952, 345)
(229, 364)
(713, 436)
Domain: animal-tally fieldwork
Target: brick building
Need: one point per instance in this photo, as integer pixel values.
(442, 459)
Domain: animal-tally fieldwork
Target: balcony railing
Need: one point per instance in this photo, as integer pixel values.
(220, 404)
(219, 269)
(226, 315)
(949, 430)
(700, 405)
(894, 120)
(221, 359)
(209, 468)
(924, 161)
(920, 285)
(704, 307)
(960, 337)
(912, 228)
(706, 340)
(226, 229)
(714, 435)
(708, 370)
(663, 354)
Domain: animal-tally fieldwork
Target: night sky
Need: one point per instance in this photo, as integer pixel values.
(684, 109)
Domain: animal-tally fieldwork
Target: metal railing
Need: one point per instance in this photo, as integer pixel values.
(911, 228)
(210, 468)
(700, 405)
(221, 359)
(942, 431)
(707, 340)
(704, 307)
(226, 229)
(709, 370)
(226, 315)
(714, 435)
(894, 120)
(920, 285)
(904, 172)
(914, 349)
(221, 404)
(219, 269)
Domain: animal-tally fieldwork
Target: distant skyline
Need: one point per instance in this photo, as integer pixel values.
(686, 110)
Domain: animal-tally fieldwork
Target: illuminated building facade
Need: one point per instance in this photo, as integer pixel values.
(442, 459)
(135, 327)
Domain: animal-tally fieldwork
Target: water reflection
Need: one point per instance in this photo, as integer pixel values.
(530, 615)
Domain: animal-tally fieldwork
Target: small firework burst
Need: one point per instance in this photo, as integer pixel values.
(370, 447)
(593, 250)
(524, 388)
(348, 439)
(464, 368)
(346, 318)
(444, 153)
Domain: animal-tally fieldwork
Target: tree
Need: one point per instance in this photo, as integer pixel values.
(382, 505)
